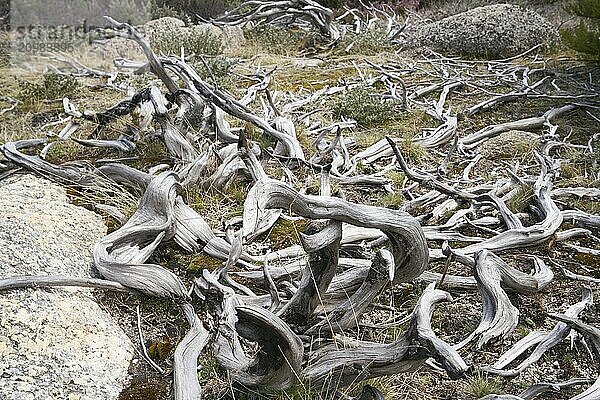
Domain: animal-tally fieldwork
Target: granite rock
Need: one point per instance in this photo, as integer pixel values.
(495, 31)
(54, 343)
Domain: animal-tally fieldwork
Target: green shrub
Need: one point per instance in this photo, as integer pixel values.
(219, 68)
(194, 40)
(160, 10)
(479, 386)
(277, 39)
(367, 110)
(370, 42)
(585, 37)
(53, 87)
(135, 13)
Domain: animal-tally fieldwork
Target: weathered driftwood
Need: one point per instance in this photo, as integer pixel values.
(454, 282)
(40, 281)
(531, 235)
(230, 105)
(145, 354)
(257, 338)
(120, 256)
(363, 360)
(282, 12)
(514, 95)
(589, 331)
(404, 232)
(475, 139)
(426, 178)
(323, 248)
(277, 365)
(556, 335)
(70, 174)
(591, 393)
(154, 62)
(500, 317)
(539, 388)
(577, 192)
(186, 385)
(582, 218)
(501, 397)
(348, 313)
(574, 276)
(121, 144)
(530, 340)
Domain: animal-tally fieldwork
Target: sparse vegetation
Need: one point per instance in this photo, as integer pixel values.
(480, 385)
(370, 42)
(521, 200)
(218, 68)
(392, 200)
(365, 108)
(277, 39)
(53, 87)
(286, 233)
(298, 75)
(199, 41)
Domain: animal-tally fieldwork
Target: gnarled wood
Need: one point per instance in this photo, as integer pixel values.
(120, 256)
(186, 384)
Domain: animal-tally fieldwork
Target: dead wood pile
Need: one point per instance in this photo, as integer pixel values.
(301, 329)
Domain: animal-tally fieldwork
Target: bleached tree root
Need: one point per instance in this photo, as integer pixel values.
(500, 317)
(364, 360)
(556, 335)
(186, 384)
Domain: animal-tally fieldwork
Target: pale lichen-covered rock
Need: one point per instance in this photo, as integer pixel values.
(499, 30)
(54, 343)
(160, 25)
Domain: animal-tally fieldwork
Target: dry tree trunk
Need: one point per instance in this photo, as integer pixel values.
(186, 385)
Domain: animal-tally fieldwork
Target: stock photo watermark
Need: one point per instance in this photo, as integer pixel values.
(34, 27)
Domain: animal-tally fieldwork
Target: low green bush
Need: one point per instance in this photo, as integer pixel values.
(367, 110)
(194, 40)
(53, 87)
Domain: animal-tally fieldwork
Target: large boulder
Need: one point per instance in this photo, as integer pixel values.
(54, 343)
(500, 30)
